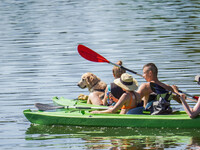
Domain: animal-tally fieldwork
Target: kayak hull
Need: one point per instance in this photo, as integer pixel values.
(84, 118)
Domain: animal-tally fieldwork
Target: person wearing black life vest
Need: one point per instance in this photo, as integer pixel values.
(113, 92)
(192, 112)
(150, 72)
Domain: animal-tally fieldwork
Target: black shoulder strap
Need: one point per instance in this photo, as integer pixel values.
(99, 90)
(157, 88)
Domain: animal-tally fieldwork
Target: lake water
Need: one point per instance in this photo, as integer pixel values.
(39, 60)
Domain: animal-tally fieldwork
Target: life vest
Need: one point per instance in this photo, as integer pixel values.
(159, 101)
(111, 100)
(155, 97)
(159, 92)
(116, 92)
(130, 103)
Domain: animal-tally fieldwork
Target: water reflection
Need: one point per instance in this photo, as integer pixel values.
(118, 138)
(194, 143)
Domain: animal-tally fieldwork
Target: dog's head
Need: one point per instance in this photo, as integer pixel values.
(88, 80)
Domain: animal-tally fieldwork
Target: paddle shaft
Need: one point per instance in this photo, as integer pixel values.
(160, 90)
(195, 97)
(83, 107)
(44, 107)
(125, 69)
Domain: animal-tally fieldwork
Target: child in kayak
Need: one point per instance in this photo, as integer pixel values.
(113, 92)
(129, 100)
(192, 112)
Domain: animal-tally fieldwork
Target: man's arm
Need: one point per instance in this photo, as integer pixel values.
(175, 90)
(144, 91)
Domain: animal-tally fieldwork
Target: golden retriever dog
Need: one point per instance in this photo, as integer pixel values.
(95, 86)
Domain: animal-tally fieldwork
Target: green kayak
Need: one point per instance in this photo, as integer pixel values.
(75, 117)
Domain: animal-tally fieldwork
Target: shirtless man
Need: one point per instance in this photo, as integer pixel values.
(150, 72)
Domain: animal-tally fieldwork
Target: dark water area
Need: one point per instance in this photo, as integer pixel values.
(39, 60)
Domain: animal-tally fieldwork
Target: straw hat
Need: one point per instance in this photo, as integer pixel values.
(127, 82)
(197, 78)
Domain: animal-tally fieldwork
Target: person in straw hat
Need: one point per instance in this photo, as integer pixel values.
(130, 99)
(192, 112)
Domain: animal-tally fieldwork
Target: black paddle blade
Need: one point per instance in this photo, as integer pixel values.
(157, 88)
(44, 107)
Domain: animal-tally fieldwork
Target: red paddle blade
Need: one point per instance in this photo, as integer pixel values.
(90, 55)
(196, 97)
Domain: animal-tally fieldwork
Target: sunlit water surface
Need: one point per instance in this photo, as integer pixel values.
(39, 60)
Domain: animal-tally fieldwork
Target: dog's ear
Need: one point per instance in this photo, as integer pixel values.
(95, 79)
(88, 80)
(92, 79)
